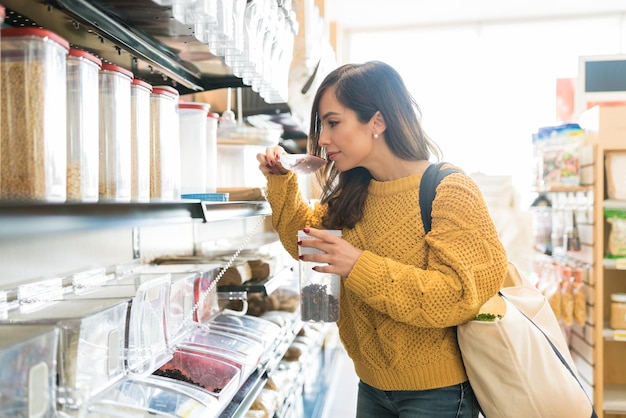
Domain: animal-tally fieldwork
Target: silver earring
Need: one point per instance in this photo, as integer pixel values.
(375, 136)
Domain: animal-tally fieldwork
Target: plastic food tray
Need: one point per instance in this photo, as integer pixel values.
(146, 396)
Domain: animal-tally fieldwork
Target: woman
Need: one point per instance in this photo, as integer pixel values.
(402, 292)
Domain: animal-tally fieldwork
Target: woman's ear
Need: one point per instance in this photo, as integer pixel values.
(378, 123)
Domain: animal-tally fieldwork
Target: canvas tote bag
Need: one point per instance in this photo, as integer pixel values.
(518, 364)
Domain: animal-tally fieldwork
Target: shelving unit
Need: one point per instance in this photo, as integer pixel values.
(606, 131)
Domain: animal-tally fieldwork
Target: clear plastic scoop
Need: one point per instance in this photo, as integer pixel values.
(302, 163)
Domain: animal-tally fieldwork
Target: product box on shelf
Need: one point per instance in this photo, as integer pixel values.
(90, 343)
(557, 154)
(136, 396)
(28, 377)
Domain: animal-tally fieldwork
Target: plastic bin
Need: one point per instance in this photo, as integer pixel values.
(82, 126)
(28, 377)
(115, 131)
(148, 396)
(34, 131)
(140, 141)
(91, 337)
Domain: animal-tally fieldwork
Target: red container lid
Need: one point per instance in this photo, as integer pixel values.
(41, 33)
(213, 115)
(141, 83)
(195, 106)
(117, 69)
(79, 53)
(165, 91)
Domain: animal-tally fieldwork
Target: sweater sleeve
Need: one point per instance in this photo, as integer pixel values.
(465, 264)
(290, 211)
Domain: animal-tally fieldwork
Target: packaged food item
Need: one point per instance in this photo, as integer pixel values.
(618, 311)
(616, 175)
(115, 133)
(33, 154)
(28, 354)
(319, 292)
(580, 299)
(140, 141)
(616, 218)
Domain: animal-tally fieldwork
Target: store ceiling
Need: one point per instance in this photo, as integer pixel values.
(353, 15)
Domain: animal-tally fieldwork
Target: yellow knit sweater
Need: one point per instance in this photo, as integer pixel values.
(401, 302)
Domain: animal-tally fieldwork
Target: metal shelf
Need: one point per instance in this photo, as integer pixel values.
(139, 35)
(21, 219)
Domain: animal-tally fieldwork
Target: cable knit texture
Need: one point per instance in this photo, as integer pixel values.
(406, 293)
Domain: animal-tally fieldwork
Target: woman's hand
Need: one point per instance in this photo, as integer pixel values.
(339, 255)
(269, 163)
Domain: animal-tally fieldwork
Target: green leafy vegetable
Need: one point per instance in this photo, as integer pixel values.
(487, 317)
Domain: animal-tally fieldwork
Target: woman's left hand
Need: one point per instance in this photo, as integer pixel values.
(338, 255)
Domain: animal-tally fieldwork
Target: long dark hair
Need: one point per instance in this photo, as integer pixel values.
(367, 88)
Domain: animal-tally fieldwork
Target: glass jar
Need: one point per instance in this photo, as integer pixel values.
(33, 118)
(618, 311)
(140, 141)
(211, 148)
(82, 126)
(192, 128)
(319, 292)
(115, 149)
(164, 144)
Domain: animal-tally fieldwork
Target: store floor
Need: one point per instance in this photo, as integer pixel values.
(341, 398)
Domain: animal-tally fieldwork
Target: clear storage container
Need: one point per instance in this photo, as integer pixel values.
(244, 351)
(115, 131)
(140, 141)
(28, 354)
(91, 337)
(319, 292)
(82, 125)
(146, 334)
(164, 144)
(208, 371)
(33, 118)
(148, 396)
(211, 148)
(193, 146)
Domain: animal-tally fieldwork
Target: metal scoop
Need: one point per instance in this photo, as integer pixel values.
(302, 163)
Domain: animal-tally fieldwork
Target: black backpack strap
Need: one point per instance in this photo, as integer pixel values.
(428, 187)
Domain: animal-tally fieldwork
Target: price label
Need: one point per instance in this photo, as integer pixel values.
(620, 263)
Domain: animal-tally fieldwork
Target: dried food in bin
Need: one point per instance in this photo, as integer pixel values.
(218, 377)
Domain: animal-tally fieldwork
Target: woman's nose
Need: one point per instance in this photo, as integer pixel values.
(323, 139)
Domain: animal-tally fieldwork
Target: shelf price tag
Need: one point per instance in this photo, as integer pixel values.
(620, 263)
(619, 335)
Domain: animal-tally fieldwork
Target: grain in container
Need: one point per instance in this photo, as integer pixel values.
(140, 140)
(164, 144)
(211, 148)
(33, 121)
(83, 71)
(115, 149)
(193, 146)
